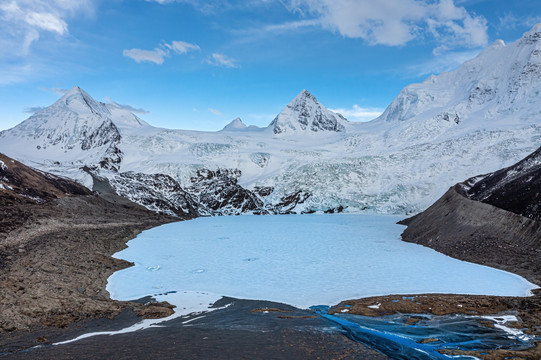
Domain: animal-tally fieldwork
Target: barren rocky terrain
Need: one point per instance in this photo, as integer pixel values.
(56, 242)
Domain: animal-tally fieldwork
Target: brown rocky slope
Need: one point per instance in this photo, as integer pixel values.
(56, 242)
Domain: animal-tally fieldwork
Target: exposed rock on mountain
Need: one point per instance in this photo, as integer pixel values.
(288, 203)
(219, 193)
(156, 192)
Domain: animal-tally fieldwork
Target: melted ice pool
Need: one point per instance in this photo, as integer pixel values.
(302, 260)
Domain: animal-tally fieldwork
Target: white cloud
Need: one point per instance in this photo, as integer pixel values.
(396, 22)
(215, 112)
(55, 90)
(159, 54)
(206, 7)
(23, 21)
(292, 25)
(182, 47)
(357, 113)
(222, 60)
(127, 107)
(156, 56)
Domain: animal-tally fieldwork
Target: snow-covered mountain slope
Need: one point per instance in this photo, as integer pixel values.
(498, 89)
(484, 116)
(74, 131)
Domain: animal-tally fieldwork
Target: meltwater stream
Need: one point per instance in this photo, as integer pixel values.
(400, 340)
(304, 260)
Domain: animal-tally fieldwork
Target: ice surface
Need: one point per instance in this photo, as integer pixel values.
(302, 260)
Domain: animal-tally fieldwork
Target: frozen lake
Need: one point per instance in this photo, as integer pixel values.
(302, 260)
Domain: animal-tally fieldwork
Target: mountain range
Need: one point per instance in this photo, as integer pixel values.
(477, 119)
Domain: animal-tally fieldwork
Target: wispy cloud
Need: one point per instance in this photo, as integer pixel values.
(55, 90)
(12, 74)
(23, 21)
(158, 55)
(291, 25)
(215, 112)
(34, 109)
(206, 7)
(126, 107)
(222, 60)
(396, 22)
(447, 61)
(510, 21)
(358, 113)
(182, 47)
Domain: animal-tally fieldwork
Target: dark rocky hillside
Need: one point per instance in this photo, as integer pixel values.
(56, 239)
(491, 219)
(516, 188)
(19, 183)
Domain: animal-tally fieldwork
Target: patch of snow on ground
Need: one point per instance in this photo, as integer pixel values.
(302, 260)
(502, 320)
(189, 303)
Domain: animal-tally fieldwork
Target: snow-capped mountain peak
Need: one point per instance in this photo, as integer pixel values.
(80, 102)
(306, 114)
(500, 84)
(236, 124)
(481, 117)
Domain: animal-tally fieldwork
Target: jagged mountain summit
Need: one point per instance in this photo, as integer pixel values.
(306, 114)
(484, 116)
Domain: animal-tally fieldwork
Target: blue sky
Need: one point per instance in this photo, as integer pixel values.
(199, 64)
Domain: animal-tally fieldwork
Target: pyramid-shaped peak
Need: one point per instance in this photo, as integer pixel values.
(80, 102)
(78, 92)
(236, 124)
(306, 114)
(74, 90)
(304, 95)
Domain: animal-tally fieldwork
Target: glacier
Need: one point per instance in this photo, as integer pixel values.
(479, 118)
